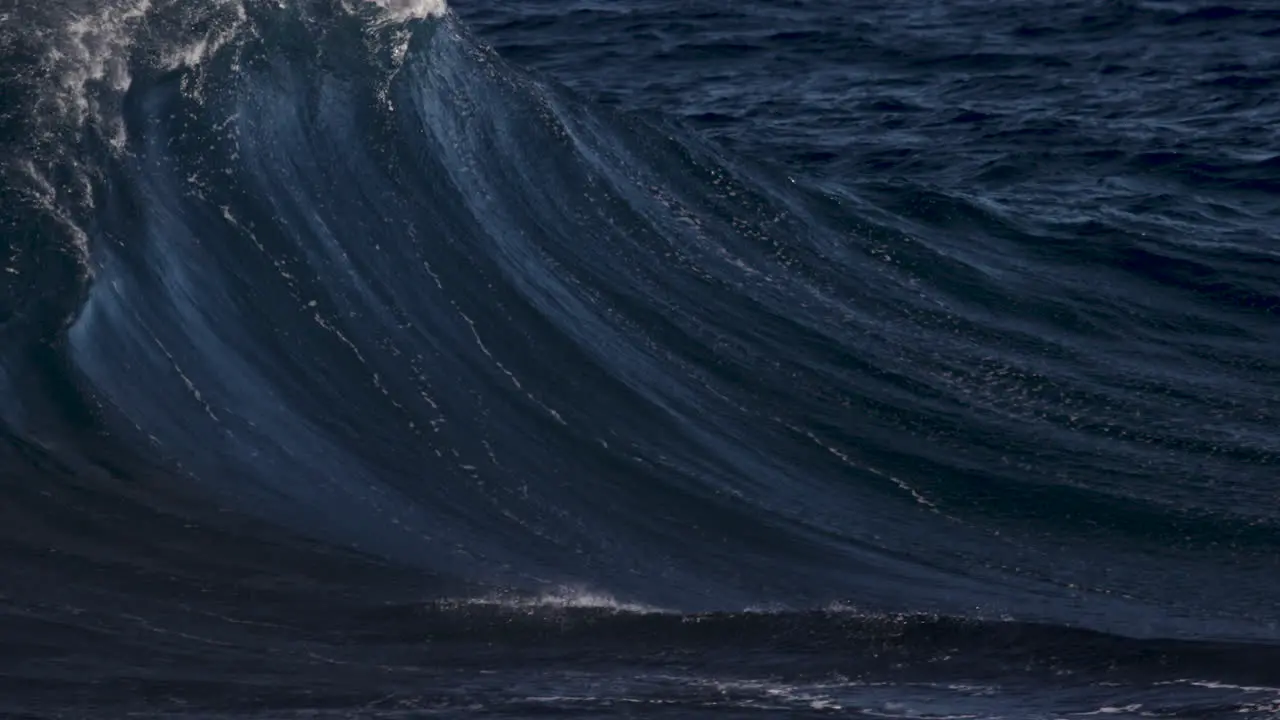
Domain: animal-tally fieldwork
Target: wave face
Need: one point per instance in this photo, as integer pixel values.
(347, 367)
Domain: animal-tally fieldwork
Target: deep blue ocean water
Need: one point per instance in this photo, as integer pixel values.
(640, 358)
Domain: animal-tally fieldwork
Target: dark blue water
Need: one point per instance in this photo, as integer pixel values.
(639, 358)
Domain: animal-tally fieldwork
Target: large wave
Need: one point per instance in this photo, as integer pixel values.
(335, 268)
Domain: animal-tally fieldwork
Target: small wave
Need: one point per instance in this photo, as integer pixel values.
(561, 598)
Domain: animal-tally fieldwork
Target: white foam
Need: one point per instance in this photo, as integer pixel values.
(1213, 685)
(90, 52)
(93, 48)
(411, 9)
(564, 597)
(199, 48)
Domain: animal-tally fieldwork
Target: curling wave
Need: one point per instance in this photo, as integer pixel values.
(333, 282)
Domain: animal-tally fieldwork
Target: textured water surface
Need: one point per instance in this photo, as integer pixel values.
(639, 358)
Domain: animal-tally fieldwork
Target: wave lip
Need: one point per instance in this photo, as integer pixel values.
(401, 10)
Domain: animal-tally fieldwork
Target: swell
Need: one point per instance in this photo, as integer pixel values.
(363, 281)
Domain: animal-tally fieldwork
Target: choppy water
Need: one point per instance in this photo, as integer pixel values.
(639, 358)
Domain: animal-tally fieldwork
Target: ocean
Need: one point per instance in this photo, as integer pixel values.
(639, 358)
